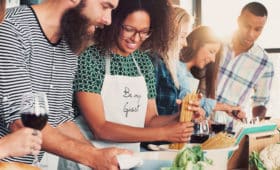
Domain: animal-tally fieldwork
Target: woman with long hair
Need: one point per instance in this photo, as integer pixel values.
(167, 84)
(202, 52)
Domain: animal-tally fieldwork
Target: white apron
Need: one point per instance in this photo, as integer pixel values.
(125, 102)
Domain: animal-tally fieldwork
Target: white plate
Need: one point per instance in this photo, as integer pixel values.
(129, 161)
(163, 147)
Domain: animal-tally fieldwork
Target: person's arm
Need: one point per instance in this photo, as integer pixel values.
(91, 106)
(20, 143)
(229, 110)
(262, 91)
(153, 120)
(208, 105)
(68, 142)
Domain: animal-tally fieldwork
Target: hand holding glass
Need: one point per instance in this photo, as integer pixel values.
(34, 113)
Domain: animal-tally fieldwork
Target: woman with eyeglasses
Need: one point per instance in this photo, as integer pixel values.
(115, 84)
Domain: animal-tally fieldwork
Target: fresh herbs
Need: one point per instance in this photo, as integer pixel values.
(255, 161)
(190, 158)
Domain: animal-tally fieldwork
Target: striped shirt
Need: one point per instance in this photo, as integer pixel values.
(30, 62)
(251, 71)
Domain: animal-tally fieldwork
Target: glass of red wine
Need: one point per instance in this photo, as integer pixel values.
(34, 113)
(201, 132)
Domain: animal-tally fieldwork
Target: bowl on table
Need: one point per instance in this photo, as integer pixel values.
(164, 158)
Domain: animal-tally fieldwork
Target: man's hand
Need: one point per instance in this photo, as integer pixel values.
(105, 159)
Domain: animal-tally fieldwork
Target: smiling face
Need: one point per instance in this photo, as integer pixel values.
(98, 12)
(78, 23)
(206, 54)
(250, 28)
(135, 29)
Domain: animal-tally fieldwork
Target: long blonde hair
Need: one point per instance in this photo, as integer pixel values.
(180, 17)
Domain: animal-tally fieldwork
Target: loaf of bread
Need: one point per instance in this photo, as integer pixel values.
(17, 166)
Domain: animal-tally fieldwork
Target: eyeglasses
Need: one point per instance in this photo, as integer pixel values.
(129, 31)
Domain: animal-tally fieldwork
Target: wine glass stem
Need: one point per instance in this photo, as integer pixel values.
(36, 161)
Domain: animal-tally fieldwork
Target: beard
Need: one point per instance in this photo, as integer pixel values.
(74, 28)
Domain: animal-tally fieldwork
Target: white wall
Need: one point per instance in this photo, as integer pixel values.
(12, 3)
(224, 20)
(274, 104)
(187, 5)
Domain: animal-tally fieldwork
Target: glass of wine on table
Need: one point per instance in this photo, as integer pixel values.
(201, 131)
(34, 113)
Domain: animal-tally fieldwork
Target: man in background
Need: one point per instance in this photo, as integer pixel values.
(246, 71)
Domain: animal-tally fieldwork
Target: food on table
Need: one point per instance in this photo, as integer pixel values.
(220, 140)
(270, 156)
(185, 116)
(255, 161)
(190, 158)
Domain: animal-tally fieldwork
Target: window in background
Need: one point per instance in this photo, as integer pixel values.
(30, 2)
(187, 5)
(12, 3)
(224, 20)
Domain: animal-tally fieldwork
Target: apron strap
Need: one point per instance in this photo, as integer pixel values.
(137, 66)
(107, 65)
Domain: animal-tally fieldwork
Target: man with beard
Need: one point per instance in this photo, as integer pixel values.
(35, 57)
(244, 66)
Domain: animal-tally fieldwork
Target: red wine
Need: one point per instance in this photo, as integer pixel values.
(34, 121)
(218, 127)
(199, 138)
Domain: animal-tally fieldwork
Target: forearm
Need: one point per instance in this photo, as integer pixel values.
(221, 107)
(66, 146)
(159, 121)
(73, 148)
(3, 148)
(71, 145)
(123, 133)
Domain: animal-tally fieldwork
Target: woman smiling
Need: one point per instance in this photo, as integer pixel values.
(115, 84)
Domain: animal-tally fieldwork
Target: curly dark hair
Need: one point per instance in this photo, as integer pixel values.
(159, 12)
